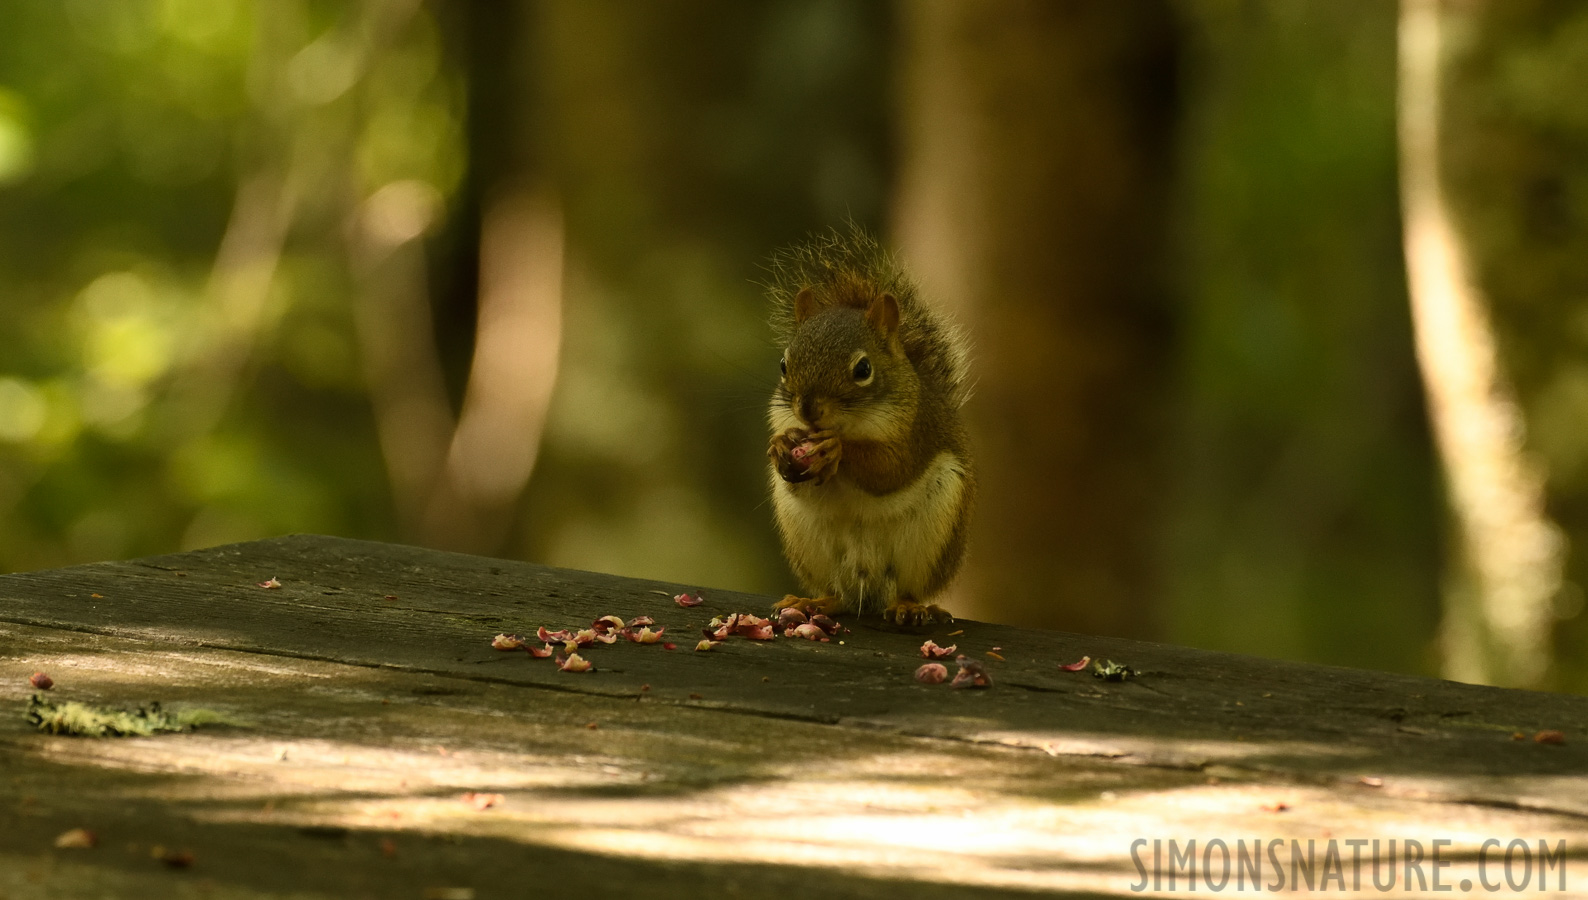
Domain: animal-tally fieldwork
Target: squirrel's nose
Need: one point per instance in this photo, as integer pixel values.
(810, 410)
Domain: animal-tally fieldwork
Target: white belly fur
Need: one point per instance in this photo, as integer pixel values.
(848, 540)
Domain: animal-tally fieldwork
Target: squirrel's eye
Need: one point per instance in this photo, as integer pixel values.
(862, 369)
(782, 366)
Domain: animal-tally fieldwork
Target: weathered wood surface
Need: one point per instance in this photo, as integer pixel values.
(372, 702)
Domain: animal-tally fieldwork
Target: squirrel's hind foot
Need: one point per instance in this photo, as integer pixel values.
(905, 611)
(828, 606)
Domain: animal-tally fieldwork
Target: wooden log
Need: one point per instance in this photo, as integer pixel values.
(375, 715)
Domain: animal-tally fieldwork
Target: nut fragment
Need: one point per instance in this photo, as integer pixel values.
(707, 644)
(809, 631)
(930, 650)
(41, 681)
(562, 636)
(1078, 665)
(971, 674)
(687, 601)
(931, 673)
(800, 454)
(1550, 737)
(507, 642)
(573, 662)
(825, 623)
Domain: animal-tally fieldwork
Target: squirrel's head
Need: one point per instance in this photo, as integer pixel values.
(846, 370)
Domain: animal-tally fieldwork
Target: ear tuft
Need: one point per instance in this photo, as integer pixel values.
(804, 305)
(883, 314)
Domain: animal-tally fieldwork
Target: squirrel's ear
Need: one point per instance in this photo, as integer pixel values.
(883, 314)
(804, 305)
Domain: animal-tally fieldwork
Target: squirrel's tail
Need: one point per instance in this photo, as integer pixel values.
(853, 269)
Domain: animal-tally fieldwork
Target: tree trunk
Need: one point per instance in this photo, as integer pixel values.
(1036, 141)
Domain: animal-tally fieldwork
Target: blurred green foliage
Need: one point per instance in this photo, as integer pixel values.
(1307, 520)
(177, 365)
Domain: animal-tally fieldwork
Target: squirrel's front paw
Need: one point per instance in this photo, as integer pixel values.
(819, 453)
(905, 611)
(790, 468)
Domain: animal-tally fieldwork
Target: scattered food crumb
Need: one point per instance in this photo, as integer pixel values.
(1078, 665)
(573, 662)
(706, 644)
(931, 673)
(825, 623)
(696, 697)
(591, 725)
(809, 631)
(561, 636)
(645, 635)
(1550, 737)
(687, 601)
(669, 646)
(270, 585)
(766, 678)
(41, 681)
(1108, 670)
(1372, 781)
(753, 627)
(1275, 807)
(970, 674)
(389, 597)
(1518, 736)
(507, 642)
(995, 655)
(790, 616)
(76, 839)
(644, 688)
(481, 801)
(642, 621)
(97, 596)
(930, 650)
(956, 633)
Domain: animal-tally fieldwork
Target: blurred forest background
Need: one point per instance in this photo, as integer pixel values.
(1281, 308)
